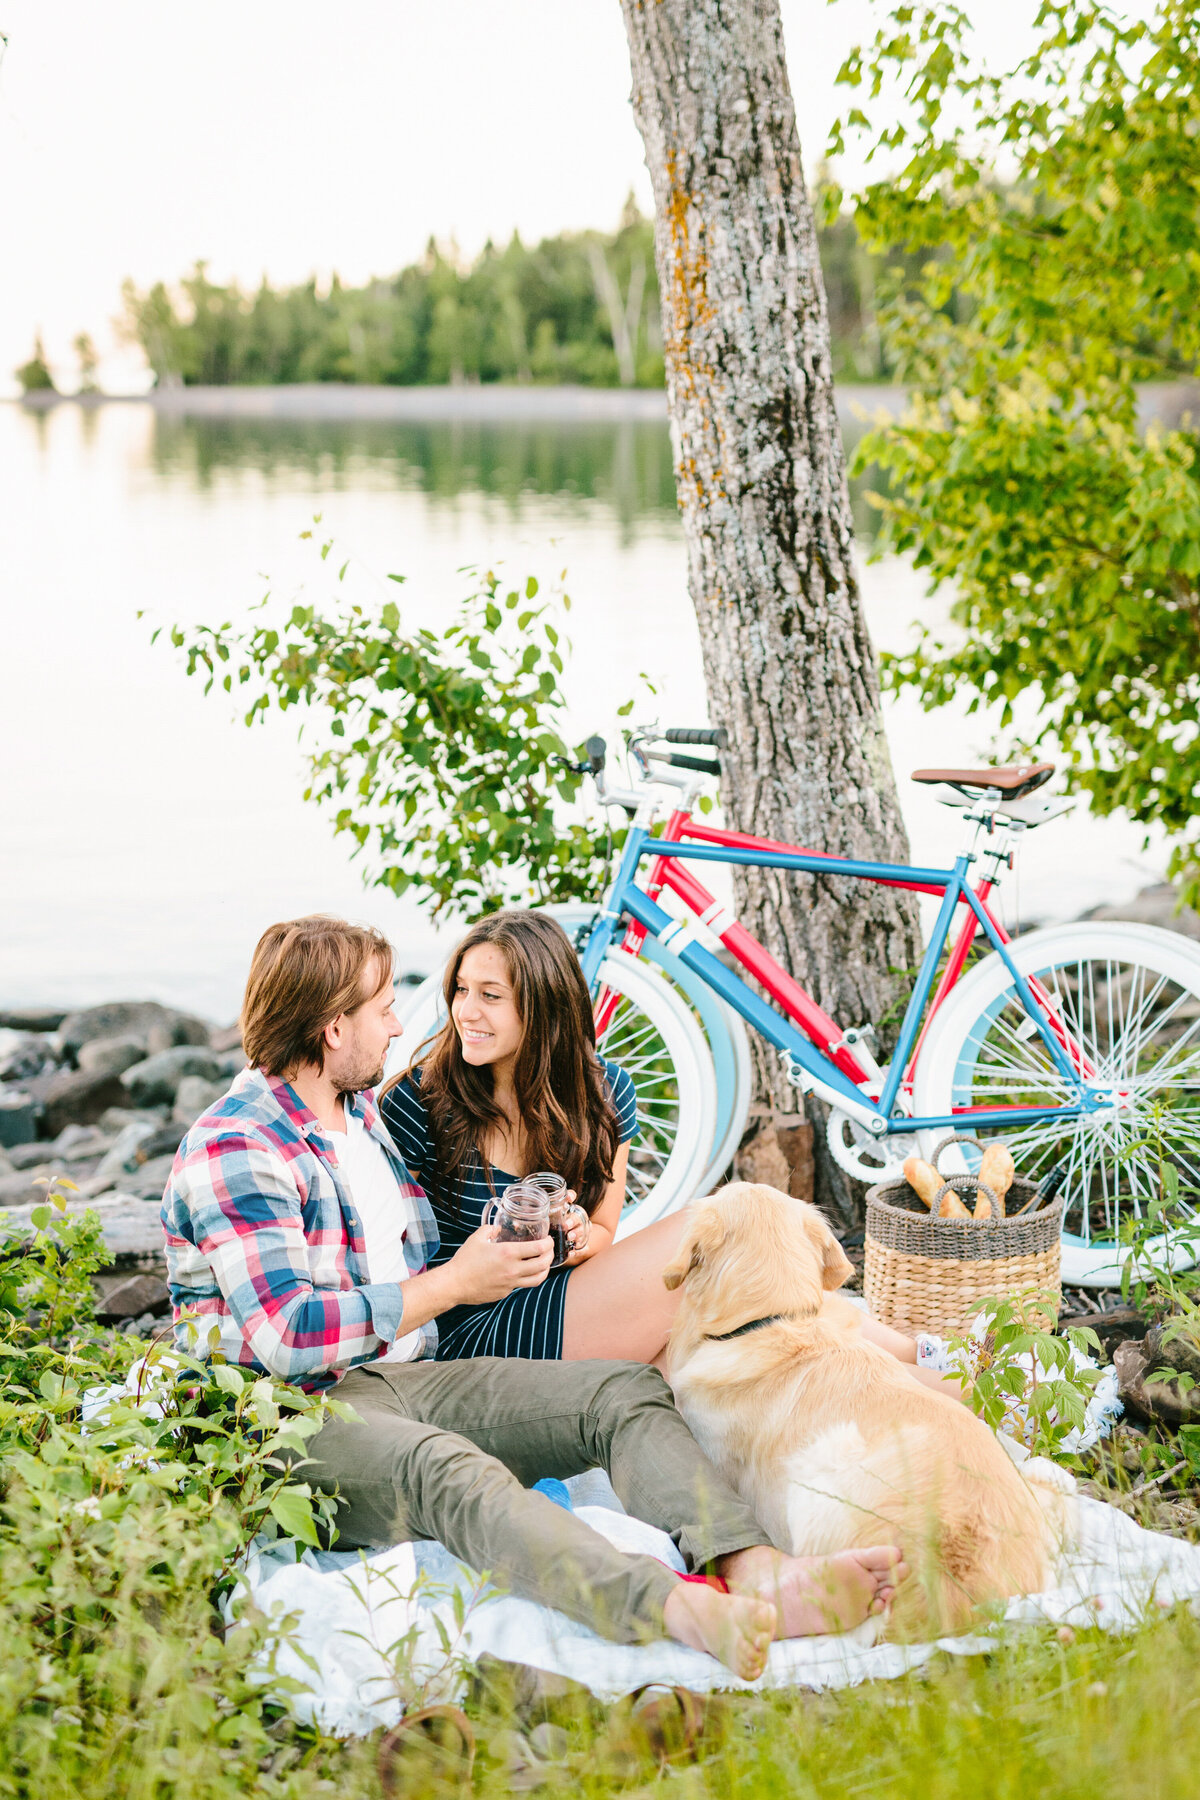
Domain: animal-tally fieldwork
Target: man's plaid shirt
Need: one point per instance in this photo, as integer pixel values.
(264, 1240)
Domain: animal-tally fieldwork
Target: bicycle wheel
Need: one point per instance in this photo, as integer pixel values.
(725, 1030)
(657, 1040)
(1129, 996)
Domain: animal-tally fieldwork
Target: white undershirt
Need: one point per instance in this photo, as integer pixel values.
(383, 1212)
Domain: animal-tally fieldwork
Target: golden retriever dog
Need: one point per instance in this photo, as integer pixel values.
(829, 1438)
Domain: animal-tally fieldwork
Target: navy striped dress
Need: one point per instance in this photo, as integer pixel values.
(529, 1321)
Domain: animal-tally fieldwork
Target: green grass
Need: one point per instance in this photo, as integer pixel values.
(116, 1682)
(1097, 1719)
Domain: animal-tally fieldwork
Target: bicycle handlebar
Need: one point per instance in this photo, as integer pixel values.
(718, 738)
(596, 750)
(698, 763)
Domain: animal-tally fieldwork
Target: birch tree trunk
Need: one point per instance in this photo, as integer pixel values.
(761, 484)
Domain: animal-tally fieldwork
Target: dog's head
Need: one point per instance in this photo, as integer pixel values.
(750, 1252)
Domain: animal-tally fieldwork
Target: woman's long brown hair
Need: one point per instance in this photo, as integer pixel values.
(563, 1102)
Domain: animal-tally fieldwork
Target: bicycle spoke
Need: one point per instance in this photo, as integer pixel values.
(1138, 1027)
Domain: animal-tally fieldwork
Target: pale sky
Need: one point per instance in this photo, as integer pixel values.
(293, 137)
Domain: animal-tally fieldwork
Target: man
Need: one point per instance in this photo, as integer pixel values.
(293, 1228)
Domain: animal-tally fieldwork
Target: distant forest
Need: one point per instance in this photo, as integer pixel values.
(580, 307)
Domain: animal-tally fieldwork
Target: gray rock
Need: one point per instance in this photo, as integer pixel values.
(110, 1056)
(7, 1165)
(166, 1138)
(31, 1018)
(114, 1119)
(195, 1096)
(128, 1295)
(28, 1186)
(24, 1054)
(225, 1037)
(28, 1156)
(1158, 905)
(156, 1080)
(76, 1097)
(148, 1181)
(121, 1158)
(18, 1118)
(132, 1231)
(152, 1026)
(81, 1143)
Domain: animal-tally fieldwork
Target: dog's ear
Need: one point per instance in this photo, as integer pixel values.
(836, 1266)
(677, 1272)
(702, 1233)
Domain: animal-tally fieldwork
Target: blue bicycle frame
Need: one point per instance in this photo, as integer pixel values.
(809, 1068)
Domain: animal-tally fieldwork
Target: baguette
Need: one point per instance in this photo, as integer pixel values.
(926, 1183)
(995, 1171)
(923, 1179)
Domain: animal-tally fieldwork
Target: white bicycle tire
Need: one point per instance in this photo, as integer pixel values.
(679, 1178)
(733, 1055)
(959, 1029)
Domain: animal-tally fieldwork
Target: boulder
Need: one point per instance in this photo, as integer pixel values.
(18, 1118)
(28, 1156)
(24, 1054)
(1167, 1402)
(150, 1025)
(155, 1081)
(28, 1186)
(121, 1158)
(128, 1295)
(148, 1181)
(114, 1119)
(81, 1143)
(110, 1056)
(225, 1037)
(132, 1231)
(76, 1097)
(194, 1096)
(32, 1018)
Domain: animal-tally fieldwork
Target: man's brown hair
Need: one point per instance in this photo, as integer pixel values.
(304, 973)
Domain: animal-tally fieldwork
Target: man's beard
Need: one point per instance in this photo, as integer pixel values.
(358, 1080)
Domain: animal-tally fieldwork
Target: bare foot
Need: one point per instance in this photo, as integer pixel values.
(818, 1594)
(737, 1629)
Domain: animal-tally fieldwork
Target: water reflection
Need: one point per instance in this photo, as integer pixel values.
(626, 467)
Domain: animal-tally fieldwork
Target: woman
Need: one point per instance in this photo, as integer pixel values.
(513, 1083)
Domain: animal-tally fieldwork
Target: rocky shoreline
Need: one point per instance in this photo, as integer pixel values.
(101, 1098)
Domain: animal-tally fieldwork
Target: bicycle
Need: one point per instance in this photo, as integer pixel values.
(1057, 1038)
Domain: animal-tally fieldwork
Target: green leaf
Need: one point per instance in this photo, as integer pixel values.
(226, 1377)
(292, 1512)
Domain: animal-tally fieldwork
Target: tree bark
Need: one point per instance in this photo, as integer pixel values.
(761, 482)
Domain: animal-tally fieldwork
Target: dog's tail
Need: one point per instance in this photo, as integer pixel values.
(998, 1540)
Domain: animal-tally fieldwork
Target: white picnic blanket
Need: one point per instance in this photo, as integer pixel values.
(366, 1636)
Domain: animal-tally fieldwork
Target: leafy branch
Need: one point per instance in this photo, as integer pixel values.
(440, 754)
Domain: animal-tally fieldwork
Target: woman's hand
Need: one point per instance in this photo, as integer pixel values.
(484, 1269)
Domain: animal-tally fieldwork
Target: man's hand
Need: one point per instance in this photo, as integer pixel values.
(483, 1269)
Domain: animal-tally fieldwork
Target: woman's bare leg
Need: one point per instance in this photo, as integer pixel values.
(617, 1305)
(904, 1349)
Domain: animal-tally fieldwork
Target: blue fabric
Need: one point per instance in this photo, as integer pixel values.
(554, 1490)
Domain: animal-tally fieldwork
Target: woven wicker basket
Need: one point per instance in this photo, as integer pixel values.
(924, 1273)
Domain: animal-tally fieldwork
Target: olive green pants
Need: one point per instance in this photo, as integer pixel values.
(450, 1451)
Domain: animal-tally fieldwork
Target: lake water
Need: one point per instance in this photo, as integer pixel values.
(148, 838)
